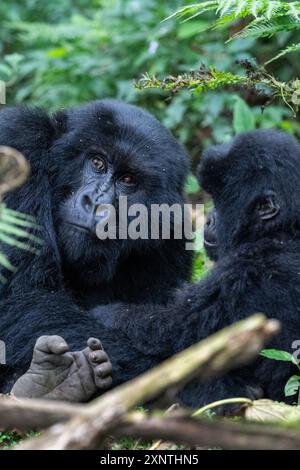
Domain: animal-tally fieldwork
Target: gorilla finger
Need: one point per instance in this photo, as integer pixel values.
(98, 357)
(94, 343)
(51, 344)
(104, 370)
(104, 383)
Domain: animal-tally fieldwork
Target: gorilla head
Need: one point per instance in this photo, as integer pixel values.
(268, 199)
(109, 149)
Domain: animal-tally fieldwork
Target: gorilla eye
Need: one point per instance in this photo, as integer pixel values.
(127, 179)
(267, 208)
(98, 163)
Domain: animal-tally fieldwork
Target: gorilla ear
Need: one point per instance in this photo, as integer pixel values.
(213, 167)
(267, 206)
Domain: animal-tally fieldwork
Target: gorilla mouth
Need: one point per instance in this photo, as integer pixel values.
(210, 242)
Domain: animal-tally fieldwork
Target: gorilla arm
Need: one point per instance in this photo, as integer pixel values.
(160, 332)
(138, 338)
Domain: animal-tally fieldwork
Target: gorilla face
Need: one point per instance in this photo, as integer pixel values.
(87, 206)
(107, 150)
(267, 202)
(267, 208)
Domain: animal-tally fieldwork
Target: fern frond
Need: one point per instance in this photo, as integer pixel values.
(294, 11)
(29, 218)
(12, 229)
(287, 50)
(13, 217)
(262, 27)
(4, 261)
(190, 10)
(266, 17)
(12, 241)
(15, 231)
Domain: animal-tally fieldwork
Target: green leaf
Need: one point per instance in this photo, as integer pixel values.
(277, 355)
(57, 53)
(243, 118)
(292, 386)
(192, 185)
(201, 266)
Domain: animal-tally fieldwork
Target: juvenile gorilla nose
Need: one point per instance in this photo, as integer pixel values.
(211, 219)
(210, 235)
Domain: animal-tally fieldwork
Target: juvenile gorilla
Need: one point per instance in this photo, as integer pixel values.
(81, 160)
(255, 184)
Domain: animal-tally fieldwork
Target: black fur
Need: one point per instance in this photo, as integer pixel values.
(51, 293)
(258, 269)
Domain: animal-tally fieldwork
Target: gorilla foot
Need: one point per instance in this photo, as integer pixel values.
(57, 374)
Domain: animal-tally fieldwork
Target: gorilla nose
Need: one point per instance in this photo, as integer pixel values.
(210, 236)
(211, 219)
(87, 204)
(97, 207)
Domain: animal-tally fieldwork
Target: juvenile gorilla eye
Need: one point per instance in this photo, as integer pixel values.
(127, 179)
(98, 163)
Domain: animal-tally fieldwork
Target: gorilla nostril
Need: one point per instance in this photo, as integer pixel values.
(87, 204)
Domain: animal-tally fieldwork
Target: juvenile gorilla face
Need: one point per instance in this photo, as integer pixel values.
(267, 201)
(110, 149)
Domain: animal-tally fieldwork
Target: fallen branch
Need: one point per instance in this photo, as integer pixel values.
(212, 433)
(232, 346)
(26, 414)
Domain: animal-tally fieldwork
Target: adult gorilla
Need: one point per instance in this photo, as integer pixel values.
(83, 158)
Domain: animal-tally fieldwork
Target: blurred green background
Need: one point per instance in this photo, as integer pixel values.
(65, 52)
